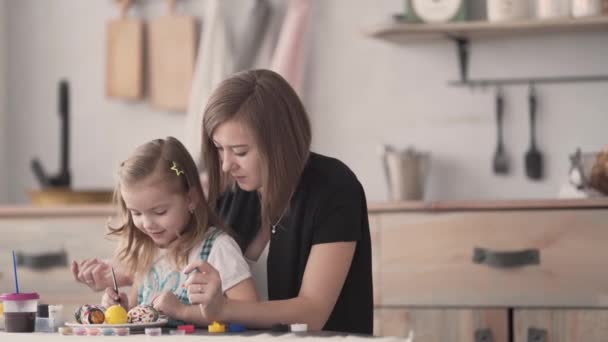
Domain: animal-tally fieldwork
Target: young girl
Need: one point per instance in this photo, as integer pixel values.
(167, 224)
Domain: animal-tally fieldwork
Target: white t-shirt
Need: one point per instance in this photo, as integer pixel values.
(225, 256)
(259, 270)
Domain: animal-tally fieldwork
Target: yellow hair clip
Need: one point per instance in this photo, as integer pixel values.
(177, 171)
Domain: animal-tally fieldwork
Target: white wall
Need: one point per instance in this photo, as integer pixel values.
(364, 92)
(360, 92)
(3, 140)
(51, 40)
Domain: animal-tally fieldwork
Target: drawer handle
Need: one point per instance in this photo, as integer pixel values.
(484, 335)
(43, 261)
(506, 259)
(537, 335)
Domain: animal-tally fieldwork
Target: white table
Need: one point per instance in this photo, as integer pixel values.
(198, 337)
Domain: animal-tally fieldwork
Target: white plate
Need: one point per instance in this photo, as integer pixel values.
(133, 326)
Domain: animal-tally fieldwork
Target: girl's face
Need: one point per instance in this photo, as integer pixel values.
(239, 154)
(156, 211)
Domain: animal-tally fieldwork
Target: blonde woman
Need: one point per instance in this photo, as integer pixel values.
(301, 217)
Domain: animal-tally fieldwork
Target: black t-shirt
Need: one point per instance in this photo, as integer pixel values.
(328, 205)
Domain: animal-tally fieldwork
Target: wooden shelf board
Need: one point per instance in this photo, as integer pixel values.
(403, 32)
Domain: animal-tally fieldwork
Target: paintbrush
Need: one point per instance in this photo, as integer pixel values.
(115, 283)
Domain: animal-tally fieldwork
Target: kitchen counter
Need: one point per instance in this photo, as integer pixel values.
(465, 205)
(424, 277)
(26, 211)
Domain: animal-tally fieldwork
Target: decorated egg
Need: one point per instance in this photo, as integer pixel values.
(143, 314)
(92, 315)
(116, 314)
(89, 314)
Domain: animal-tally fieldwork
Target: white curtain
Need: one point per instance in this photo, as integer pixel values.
(263, 36)
(214, 63)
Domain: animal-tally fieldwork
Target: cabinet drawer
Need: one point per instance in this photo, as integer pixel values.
(443, 325)
(80, 237)
(427, 258)
(537, 325)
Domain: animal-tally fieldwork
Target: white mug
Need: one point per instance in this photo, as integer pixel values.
(586, 8)
(546, 9)
(505, 10)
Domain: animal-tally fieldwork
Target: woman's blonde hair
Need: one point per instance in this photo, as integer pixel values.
(265, 103)
(168, 161)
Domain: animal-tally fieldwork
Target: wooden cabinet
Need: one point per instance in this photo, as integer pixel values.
(559, 325)
(444, 325)
(79, 236)
(428, 259)
(539, 267)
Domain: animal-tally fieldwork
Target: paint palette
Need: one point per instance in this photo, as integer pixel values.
(132, 326)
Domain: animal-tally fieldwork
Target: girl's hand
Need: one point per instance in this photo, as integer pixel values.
(167, 303)
(92, 272)
(95, 274)
(205, 288)
(110, 297)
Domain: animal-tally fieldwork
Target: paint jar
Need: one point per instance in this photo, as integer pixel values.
(20, 311)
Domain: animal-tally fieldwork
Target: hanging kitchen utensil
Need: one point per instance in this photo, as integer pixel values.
(63, 178)
(501, 161)
(533, 159)
(172, 44)
(124, 55)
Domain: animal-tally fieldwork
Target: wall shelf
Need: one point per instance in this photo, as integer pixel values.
(461, 33)
(486, 82)
(404, 32)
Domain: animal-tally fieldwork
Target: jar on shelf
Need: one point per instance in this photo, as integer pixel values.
(587, 8)
(508, 10)
(548, 9)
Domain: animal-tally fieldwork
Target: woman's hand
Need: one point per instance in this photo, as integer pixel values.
(94, 273)
(167, 303)
(204, 287)
(110, 297)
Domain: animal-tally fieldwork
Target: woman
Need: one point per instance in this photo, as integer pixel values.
(308, 210)
(304, 212)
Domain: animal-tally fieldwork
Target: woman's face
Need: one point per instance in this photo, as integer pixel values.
(239, 154)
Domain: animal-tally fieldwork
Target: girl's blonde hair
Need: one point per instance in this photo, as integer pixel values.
(168, 161)
(271, 109)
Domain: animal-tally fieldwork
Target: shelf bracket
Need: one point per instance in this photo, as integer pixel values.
(462, 47)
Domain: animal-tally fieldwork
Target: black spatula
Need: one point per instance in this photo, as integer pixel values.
(500, 164)
(534, 159)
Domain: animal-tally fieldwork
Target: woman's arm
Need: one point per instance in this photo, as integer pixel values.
(244, 291)
(321, 286)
